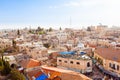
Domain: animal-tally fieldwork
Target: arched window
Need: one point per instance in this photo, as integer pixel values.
(60, 60)
(77, 63)
(88, 64)
(65, 61)
(117, 67)
(109, 64)
(71, 62)
(113, 66)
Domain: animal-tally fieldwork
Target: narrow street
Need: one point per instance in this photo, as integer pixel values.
(96, 74)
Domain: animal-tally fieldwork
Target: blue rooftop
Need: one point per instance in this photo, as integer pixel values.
(82, 53)
(66, 52)
(42, 77)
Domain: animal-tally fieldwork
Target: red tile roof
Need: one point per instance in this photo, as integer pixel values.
(52, 73)
(56, 74)
(92, 45)
(34, 73)
(64, 74)
(29, 63)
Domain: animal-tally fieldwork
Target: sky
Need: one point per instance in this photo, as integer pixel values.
(58, 13)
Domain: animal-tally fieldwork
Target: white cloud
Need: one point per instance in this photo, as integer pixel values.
(54, 7)
(68, 4)
(83, 3)
(78, 3)
(92, 11)
(89, 3)
(72, 4)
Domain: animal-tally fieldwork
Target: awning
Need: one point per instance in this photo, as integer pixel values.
(100, 67)
(106, 71)
(110, 73)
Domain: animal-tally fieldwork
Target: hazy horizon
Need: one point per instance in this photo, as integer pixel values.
(58, 13)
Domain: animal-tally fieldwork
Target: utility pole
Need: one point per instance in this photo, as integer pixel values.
(70, 22)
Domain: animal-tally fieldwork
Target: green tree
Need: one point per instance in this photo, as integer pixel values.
(47, 45)
(14, 66)
(60, 29)
(50, 29)
(1, 65)
(2, 52)
(1, 60)
(40, 29)
(88, 29)
(14, 43)
(41, 32)
(16, 75)
(4, 65)
(18, 32)
(30, 31)
(6, 69)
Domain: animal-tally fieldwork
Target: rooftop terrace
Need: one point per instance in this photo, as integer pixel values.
(76, 56)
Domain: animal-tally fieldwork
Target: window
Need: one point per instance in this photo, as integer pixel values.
(113, 66)
(65, 61)
(77, 63)
(109, 64)
(37, 52)
(88, 64)
(71, 62)
(60, 60)
(117, 67)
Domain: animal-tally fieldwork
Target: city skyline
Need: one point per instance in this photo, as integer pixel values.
(58, 13)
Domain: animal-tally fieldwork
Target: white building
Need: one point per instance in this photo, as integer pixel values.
(4, 43)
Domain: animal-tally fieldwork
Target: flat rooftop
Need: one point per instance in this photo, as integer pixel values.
(76, 56)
